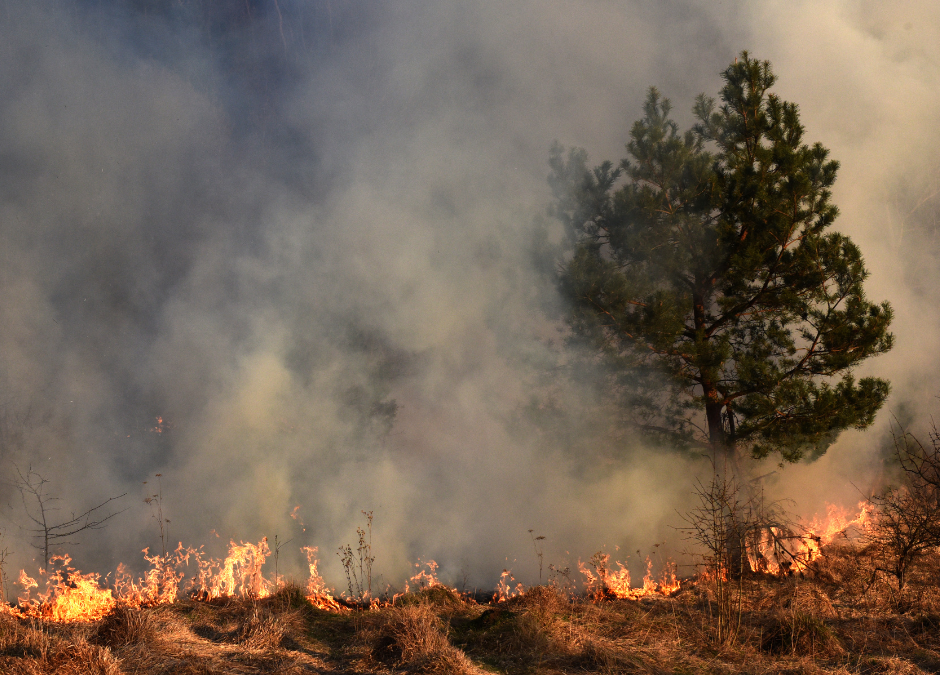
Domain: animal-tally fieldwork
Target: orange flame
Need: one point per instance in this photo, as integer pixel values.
(238, 574)
(424, 578)
(780, 552)
(159, 585)
(318, 593)
(296, 516)
(72, 596)
(69, 595)
(506, 592)
(604, 582)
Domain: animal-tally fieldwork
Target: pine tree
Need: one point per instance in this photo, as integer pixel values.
(704, 270)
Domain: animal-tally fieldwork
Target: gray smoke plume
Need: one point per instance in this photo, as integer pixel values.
(283, 253)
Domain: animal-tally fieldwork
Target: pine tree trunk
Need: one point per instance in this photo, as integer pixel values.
(716, 431)
(728, 469)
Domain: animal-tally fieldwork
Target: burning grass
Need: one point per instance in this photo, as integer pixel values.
(834, 618)
(834, 608)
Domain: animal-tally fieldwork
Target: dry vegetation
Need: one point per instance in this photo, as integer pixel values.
(869, 604)
(843, 616)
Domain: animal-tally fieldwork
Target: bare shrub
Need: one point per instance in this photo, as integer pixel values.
(560, 578)
(902, 532)
(358, 563)
(39, 508)
(906, 524)
(921, 463)
(719, 524)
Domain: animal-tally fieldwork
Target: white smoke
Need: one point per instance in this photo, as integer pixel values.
(266, 238)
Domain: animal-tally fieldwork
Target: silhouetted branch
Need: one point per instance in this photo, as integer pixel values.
(32, 487)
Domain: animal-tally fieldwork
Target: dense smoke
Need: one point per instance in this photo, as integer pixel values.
(302, 235)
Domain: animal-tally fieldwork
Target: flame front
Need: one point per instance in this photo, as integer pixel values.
(72, 596)
(69, 595)
(605, 582)
(159, 585)
(781, 551)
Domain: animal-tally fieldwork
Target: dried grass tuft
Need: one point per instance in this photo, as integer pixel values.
(262, 630)
(41, 653)
(890, 665)
(82, 658)
(126, 626)
(803, 597)
(439, 596)
(800, 634)
(542, 601)
(414, 638)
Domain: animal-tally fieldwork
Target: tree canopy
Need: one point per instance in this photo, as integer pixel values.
(704, 271)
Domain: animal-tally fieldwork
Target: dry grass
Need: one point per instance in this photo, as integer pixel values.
(31, 647)
(843, 618)
(414, 638)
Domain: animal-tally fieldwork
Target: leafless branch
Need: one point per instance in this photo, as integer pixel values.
(32, 487)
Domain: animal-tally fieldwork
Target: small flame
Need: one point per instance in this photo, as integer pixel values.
(72, 596)
(506, 592)
(159, 585)
(318, 593)
(424, 578)
(294, 514)
(605, 582)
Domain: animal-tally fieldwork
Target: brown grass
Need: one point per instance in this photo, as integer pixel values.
(843, 618)
(31, 647)
(414, 638)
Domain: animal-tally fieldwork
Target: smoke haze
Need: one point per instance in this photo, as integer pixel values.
(301, 235)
